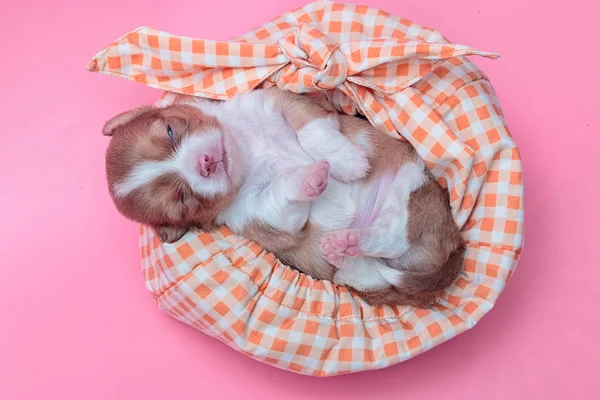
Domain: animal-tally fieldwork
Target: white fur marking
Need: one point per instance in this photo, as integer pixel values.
(186, 158)
(363, 139)
(269, 153)
(391, 275)
(183, 162)
(362, 273)
(387, 238)
(142, 174)
(322, 139)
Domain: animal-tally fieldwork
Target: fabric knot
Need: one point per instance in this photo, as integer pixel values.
(316, 63)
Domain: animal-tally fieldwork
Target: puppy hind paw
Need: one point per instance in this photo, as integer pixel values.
(338, 245)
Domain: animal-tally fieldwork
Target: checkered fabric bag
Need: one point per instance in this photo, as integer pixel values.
(412, 84)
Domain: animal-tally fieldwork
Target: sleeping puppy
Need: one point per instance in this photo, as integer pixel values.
(327, 193)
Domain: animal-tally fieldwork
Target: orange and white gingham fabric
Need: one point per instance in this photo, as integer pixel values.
(407, 80)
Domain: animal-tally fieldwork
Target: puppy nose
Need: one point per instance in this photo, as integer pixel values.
(207, 165)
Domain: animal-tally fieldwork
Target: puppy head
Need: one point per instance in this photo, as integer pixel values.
(171, 168)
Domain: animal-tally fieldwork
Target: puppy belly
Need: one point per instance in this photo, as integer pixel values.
(372, 200)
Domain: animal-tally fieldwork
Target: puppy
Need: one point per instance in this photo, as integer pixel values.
(327, 193)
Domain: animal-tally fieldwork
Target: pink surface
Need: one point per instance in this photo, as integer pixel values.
(77, 322)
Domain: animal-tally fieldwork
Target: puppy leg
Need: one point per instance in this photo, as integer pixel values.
(319, 134)
(302, 184)
(386, 238)
(322, 139)
(285, 202)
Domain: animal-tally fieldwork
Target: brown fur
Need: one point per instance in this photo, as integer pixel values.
(432, 263)
(435, 258)
(420, 289)
(384, 152)
(167, 204)
(298, 249)
(299, 110)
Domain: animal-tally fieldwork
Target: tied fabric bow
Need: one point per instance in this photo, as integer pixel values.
(357, 73)
(315, 61)
(367, 61)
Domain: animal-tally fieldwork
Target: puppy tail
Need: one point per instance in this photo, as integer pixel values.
(391, 275)
(417, 288)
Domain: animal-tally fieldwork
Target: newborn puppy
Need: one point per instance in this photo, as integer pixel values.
(328, 194)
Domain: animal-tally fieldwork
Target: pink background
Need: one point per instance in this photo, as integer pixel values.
(76, 320)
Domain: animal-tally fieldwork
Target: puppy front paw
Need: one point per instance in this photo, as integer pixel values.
(350, 163)
(309, 182)
(315, 180)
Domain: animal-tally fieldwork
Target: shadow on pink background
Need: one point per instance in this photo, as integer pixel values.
(76, 320)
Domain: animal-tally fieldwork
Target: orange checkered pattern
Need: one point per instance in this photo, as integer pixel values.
(407, 80)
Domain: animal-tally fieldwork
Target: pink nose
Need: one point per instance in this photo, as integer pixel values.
(206, 165)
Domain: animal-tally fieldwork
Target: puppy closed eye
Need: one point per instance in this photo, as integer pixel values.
(176, 128)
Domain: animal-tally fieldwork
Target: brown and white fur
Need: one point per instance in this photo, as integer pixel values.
(327, 193)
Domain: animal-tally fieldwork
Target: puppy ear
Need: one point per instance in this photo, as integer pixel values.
(124, 119)
(169, 234)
